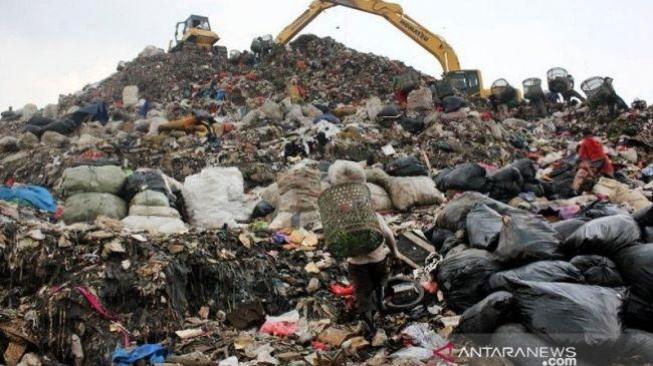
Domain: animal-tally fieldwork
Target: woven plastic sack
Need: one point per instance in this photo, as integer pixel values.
(86, 207)
(84, 179)
(351, 227)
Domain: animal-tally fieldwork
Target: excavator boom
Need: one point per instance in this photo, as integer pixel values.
(393, 13)
(316, 7)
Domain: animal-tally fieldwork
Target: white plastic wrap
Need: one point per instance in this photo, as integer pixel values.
(215, 197)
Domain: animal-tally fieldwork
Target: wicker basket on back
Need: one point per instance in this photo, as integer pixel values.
(351, 227)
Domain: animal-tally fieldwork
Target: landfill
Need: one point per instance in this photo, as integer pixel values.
(130, 239)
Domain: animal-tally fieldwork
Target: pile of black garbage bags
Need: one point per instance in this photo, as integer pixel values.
(519, 280)
(509, 181)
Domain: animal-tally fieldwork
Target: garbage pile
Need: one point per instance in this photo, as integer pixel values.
(170, 214)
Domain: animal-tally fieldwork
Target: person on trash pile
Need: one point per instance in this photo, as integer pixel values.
(565, 89)
(504, 99)
(592, 161)
(196, 123)
(369, 274)
(608, 96)
(295, 91)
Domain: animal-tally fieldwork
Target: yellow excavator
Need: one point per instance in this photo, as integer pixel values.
(197, 31)
(469, 82)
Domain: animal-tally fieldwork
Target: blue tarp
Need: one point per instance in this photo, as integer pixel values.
(327, 117)
(37, 196)
(154, 353)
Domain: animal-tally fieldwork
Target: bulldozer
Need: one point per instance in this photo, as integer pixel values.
(467, 81)
(196, 30)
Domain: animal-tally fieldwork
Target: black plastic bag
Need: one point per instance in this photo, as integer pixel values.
(262, 209)
(463, 177)
(516, 336)
(448, 244)
(455, 212)
(637, 344)
(505, 183)
(484, 317)
(598, 209)
(462, 277)
(38, 120)
(542, 271)
(562, 178)
(527, 169)
(438, 236)
(598, 270)
(453, 103)
(412, 125)
(567, 227)
(527, 238)
(65, 126)
(483, 226)
(638, 313)
(536, 187)
(140, 181)
(570, 314)
(647, 234)
(456, 249)
(439, 178)
(636, 267)
(604, 236)
(644, 217)
(409, 166)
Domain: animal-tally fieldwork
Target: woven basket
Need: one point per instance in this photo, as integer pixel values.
(351, 228)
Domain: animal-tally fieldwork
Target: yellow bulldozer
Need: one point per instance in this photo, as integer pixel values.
(195, 30)
(468, 81)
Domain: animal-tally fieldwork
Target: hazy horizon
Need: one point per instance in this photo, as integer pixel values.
(54, 48)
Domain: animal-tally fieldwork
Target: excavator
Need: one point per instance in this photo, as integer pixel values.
(468, 82)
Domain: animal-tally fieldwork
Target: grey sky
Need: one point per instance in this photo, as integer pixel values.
(57, 46)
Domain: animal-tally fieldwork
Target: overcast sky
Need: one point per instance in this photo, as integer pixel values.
(51, 47)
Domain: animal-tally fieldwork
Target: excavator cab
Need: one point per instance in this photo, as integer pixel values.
(195, 30)
(468, 82)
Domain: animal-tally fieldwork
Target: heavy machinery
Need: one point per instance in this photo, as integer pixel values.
(197, 31)
(469, 82)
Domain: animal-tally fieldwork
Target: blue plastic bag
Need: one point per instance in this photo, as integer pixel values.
(35, 195)
(154, 353)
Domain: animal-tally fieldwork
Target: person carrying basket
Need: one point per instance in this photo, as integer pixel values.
(354, 231)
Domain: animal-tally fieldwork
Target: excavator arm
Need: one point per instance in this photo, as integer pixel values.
(393, 13)
(303, 20)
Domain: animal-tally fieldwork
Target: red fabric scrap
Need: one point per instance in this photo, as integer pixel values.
(95, 303)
